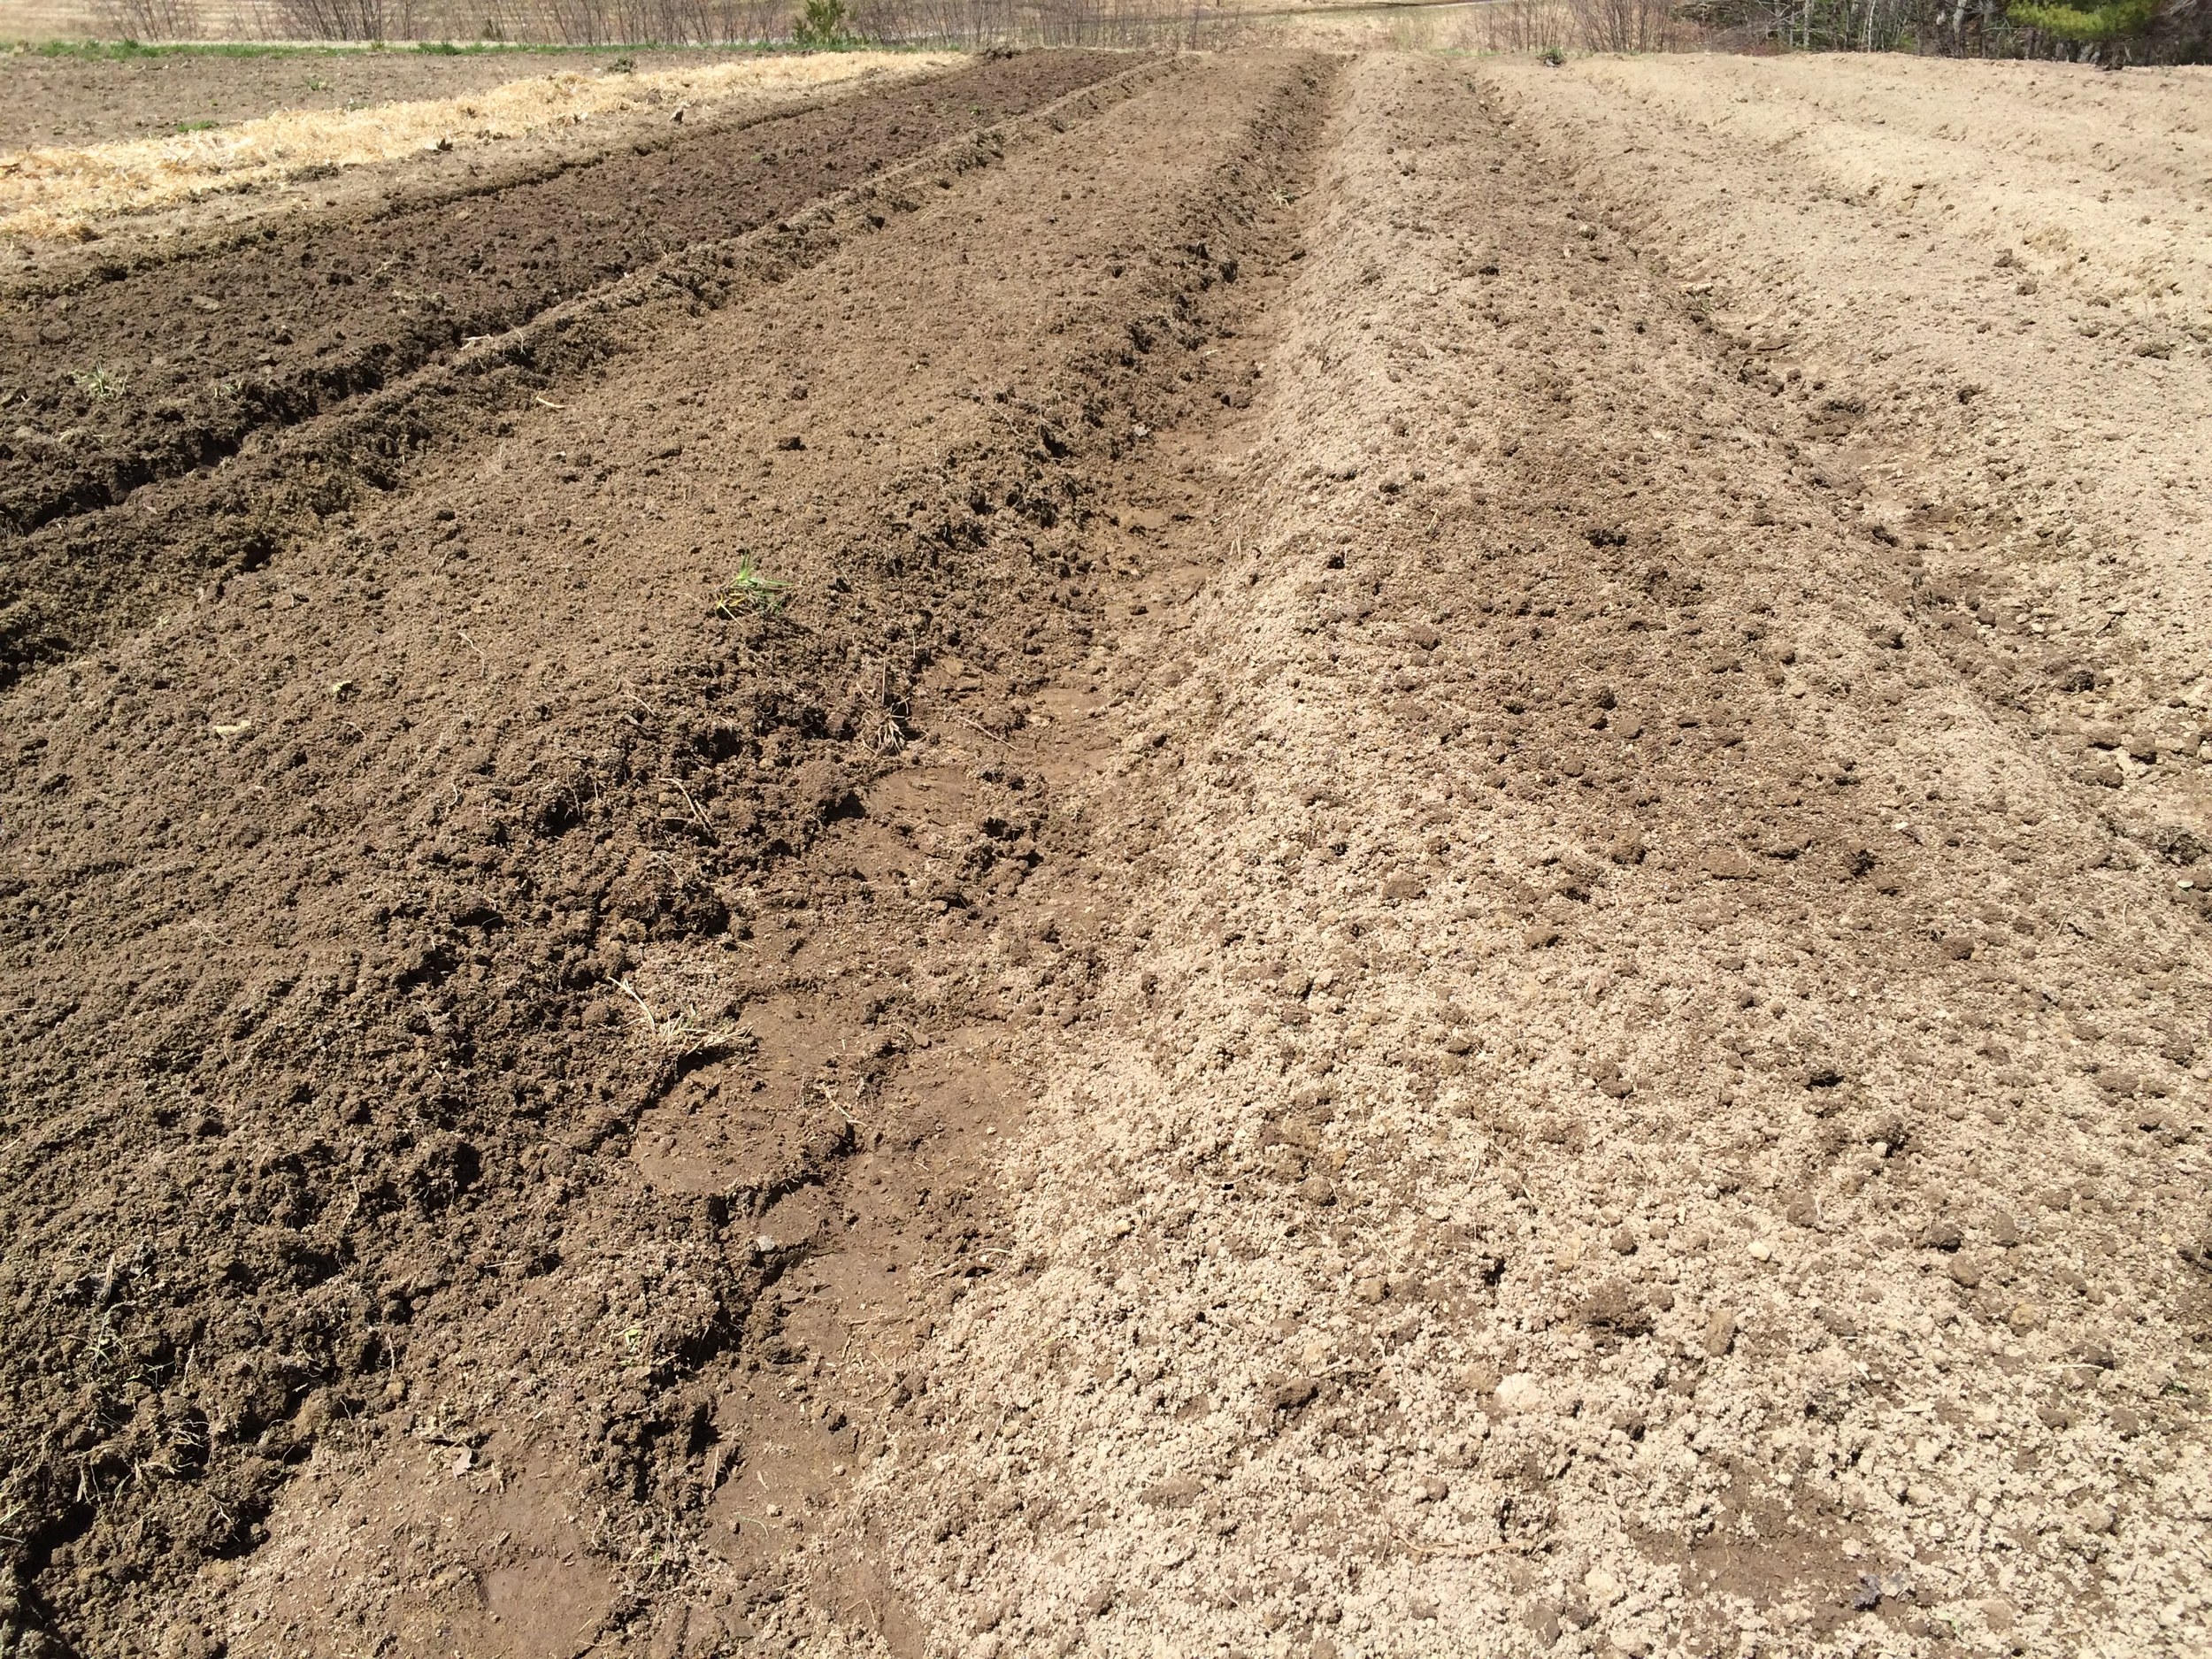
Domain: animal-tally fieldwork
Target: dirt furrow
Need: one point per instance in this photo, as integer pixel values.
(2030, 423)
(82, 579)
(534, 947)
(134, 374)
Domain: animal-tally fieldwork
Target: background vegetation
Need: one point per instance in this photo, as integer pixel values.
(2112, 32)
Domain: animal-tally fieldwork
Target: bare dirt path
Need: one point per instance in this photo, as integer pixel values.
(1430, 928)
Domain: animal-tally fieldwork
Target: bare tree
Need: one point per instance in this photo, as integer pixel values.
(346, 19)
(1523, 26)
(150, 20)
(1622, 25)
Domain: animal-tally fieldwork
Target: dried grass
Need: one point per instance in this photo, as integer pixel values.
(62, 194)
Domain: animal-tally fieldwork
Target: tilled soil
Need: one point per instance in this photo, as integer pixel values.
(65, 99)
(1415, 934)
(70, 211)
(131, 374)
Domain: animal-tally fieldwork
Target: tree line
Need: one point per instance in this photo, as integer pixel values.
(2109, 32)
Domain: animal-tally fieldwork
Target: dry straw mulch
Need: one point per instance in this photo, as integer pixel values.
(61, 194)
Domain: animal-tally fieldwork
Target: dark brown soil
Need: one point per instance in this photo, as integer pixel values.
(70, 100)
(517, 961)
(301, 317)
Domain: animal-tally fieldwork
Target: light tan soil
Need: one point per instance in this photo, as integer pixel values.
(1461, 909)
(1604, 855)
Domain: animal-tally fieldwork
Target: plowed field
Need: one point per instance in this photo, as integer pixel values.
(1252, 853)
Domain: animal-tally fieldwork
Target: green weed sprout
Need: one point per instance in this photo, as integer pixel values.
(99, 383)
(752, 590)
